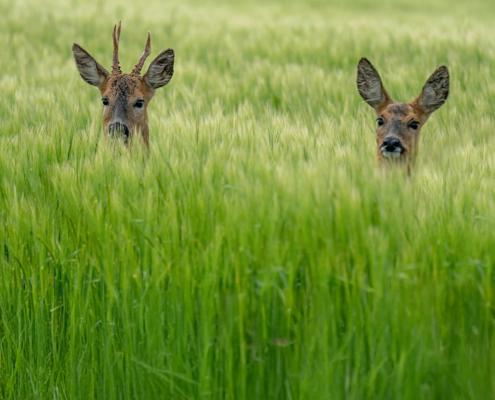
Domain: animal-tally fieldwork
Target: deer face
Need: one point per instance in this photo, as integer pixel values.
(399, 124)
(125, 97)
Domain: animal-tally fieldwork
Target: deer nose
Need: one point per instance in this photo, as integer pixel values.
(118, 129)
(390, 144)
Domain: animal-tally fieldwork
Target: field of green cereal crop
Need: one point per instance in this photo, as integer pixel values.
(256, 253)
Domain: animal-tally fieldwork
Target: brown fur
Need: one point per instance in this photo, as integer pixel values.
(123, 91)
(397, 117)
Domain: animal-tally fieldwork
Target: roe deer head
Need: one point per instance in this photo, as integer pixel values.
(125, 97)
(399, 124)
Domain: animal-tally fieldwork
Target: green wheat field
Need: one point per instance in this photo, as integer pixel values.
(256, 252)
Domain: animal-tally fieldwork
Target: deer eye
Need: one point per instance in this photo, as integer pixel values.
(105, 101)
(414, 125)
(139, 104)
(380, 121)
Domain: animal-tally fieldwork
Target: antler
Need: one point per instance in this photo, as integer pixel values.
(116, 65)
(144, 56)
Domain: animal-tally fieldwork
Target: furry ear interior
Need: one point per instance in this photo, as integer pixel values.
(89, 69)
(370, 85)
(435, 91)
(160, 70)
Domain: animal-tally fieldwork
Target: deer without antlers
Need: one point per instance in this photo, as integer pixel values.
(125, 97)
(399, 124)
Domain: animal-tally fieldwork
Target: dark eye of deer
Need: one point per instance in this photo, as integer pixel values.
(139, 104)
(380, 121)
(105, 102)
(414, 125)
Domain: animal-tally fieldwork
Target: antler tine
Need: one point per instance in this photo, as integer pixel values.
(144, 56)
(116, 38)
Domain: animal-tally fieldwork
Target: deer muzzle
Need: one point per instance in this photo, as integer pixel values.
(392, 147)
(118, 130)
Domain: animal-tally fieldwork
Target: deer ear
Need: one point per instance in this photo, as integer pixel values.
(161, 70)
(370, 85)
(435, 91)
(89, 69)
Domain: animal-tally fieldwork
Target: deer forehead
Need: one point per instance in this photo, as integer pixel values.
(400, 112)
(125, 86)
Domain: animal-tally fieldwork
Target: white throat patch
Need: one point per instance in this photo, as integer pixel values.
(391, 154)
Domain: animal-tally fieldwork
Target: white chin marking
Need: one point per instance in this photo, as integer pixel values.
(391, 154)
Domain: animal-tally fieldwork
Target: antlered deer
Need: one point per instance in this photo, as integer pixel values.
(399, 124)
(126, 97)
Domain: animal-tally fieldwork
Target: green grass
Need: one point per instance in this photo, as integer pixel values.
(256, 253)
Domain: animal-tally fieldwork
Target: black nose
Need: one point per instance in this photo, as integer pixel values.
(391, 144)
(117, 129)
